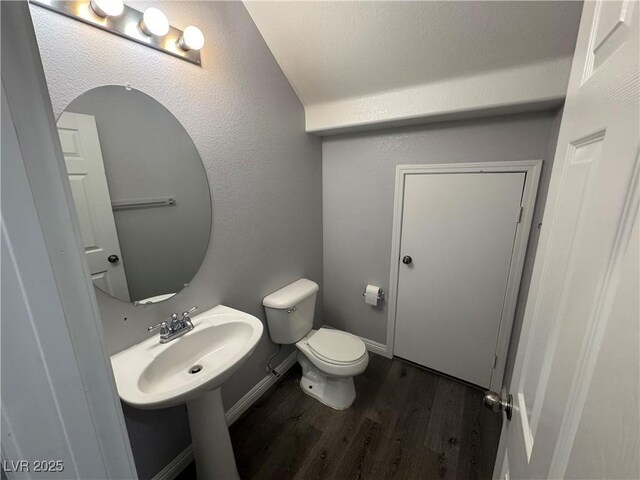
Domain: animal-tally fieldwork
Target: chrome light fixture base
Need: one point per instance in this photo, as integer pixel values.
(126, 25)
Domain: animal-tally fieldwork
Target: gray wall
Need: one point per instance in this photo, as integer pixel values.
(264, 173)
(358, 174)
(148, 154)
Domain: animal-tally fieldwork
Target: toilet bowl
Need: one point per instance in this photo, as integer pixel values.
(329, 358)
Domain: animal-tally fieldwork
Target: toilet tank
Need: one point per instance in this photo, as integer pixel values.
(290, 311)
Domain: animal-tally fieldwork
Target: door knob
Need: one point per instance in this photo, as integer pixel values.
(407, 259)
(113, 258)
(496, 403)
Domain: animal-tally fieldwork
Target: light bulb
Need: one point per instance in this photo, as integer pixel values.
(191, 39)
(154, 22)
(107, 8)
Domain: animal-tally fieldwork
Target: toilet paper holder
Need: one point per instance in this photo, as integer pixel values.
(380, 294)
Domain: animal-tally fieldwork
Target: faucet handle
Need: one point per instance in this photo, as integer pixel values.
(186, 314)
(162, 326)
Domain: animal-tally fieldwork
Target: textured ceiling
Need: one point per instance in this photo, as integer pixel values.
(336, 50)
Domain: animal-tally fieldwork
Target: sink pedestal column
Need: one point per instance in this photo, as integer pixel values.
(212, 448)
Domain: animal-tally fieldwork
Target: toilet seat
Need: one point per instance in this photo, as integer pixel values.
(336, 347)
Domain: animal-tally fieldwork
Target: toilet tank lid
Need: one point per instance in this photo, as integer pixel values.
(291, 295)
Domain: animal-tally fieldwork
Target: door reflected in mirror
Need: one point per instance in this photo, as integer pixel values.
(140, 190)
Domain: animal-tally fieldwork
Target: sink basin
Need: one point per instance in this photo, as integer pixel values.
(191, 370)
(154, 375)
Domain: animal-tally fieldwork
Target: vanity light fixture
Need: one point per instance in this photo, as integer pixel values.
(150, 28)
(107, 8)
(154, 22)
(191, 39)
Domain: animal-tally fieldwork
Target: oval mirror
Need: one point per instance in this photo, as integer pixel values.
(140, 191)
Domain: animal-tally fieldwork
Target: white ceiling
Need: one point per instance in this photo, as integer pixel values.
(334, 51)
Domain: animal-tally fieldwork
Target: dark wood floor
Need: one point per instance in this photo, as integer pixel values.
(406, 423)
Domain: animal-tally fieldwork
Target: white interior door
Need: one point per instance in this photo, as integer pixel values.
(459, 230)
(83, 157)
(576, 378)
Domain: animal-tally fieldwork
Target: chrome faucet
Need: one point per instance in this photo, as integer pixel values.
(174, 328)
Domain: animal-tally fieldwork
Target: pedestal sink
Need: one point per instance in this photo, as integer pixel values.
(190, 370)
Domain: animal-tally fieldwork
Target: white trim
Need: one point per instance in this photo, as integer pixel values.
(532, 168)
(261, 387)
(29, 107)
(184, 458)
(375, 347)
(176, 466)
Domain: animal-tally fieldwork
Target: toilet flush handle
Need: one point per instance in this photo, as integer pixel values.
(291, 310)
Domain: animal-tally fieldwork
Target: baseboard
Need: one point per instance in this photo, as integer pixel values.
(178, 464)
(256, 392)
(375, 347)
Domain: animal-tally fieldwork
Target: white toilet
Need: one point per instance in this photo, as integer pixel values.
(329, 358)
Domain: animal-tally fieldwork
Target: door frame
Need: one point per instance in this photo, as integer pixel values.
(532, 169)
(73, 313)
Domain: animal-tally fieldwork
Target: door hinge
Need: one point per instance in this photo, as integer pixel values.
(495, 361)
(519, 215)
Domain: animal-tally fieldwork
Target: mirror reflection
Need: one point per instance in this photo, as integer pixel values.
(140, 191)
